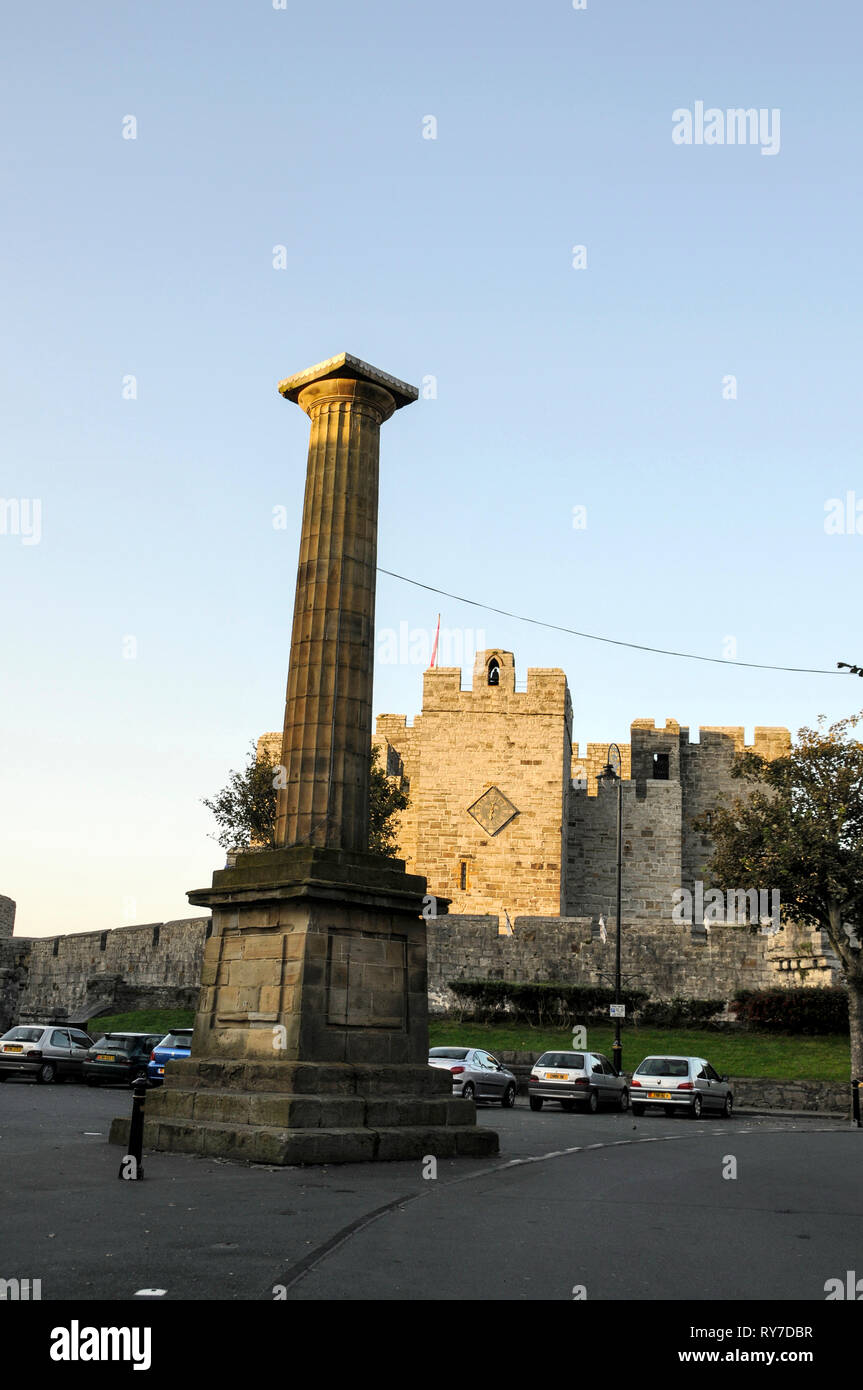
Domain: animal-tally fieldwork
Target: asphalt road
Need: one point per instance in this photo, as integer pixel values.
(618, 1207)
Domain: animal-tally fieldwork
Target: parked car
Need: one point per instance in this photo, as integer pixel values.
(176, 1044)
(119, 1058)
(583, 1079)
(476, 1074)
(674, 1083)
(44, 1051)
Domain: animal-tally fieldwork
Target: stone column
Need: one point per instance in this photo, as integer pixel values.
(311, 1036)
(328, 708)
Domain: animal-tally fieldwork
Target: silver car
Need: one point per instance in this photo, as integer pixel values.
(673, 1083)
(45, 1051)
(583, 1079)
(476, 1074)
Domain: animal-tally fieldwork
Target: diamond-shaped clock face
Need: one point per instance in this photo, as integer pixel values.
(493, 810)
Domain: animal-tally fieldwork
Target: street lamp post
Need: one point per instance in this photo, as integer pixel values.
(610, 774)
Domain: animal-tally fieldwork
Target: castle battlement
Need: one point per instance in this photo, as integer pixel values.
(493, 686)
(505, 812)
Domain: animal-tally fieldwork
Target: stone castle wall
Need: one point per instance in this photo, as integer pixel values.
(662, 851)
(651, 857)
(661, 959)
(558, 853)
(76, 977)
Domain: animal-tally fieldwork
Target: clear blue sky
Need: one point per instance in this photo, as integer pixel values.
(450, 258)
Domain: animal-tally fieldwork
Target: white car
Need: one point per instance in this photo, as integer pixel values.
(674, 1083)
(46, 1051)
(577, 1080)
(476, 1074)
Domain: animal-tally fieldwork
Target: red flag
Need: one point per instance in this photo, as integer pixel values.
(436, 636)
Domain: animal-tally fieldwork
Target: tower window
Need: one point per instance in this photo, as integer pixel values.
(660, 767)
(494, 672)
(462, 875)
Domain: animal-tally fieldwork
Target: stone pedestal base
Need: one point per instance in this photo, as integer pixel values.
(307, 1112)
(311, 1037)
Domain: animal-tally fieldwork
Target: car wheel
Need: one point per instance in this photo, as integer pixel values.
(623, 1103)
(47, 1073)
(3, 1076)
(592, 1103)
(536, 1102)
(468, 1092)
(507, 1100)
(638, 1110)
(727, 1107)
(695, 1109)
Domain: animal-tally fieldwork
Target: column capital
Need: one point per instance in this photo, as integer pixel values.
(345, 367)
(340, 393)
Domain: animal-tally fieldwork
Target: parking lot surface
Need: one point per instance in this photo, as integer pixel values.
(626, 1208)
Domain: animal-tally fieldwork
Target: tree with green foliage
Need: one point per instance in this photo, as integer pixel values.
(801, 832)
(386, 800)
(245, 809)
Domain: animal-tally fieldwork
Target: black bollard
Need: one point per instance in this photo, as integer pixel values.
(136, 1134)
(855, 1102)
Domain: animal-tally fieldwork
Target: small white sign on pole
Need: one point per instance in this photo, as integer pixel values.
(617, 1010)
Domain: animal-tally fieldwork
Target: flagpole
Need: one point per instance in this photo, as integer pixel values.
(436, 636)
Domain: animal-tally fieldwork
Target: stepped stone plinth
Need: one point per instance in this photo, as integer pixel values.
(311, 1036)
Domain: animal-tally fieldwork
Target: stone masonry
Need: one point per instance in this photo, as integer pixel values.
(466, 744)
(72, 978)
(557, 853)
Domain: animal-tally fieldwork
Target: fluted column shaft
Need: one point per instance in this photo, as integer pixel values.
(328, 708)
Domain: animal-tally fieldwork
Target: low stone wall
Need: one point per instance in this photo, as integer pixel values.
(807, 1097)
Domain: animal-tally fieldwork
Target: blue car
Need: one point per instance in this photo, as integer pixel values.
(175, 1044)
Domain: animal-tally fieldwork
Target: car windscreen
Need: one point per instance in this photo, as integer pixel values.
(456, 1054)
(22, 1035)
(663, 1066)
(573, 1060)
(177, 1040)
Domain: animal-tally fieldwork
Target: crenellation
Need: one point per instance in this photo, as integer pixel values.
(550, 865)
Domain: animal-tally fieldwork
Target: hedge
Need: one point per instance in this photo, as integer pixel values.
(542, 1001)
(819, 1010)
(680, 1013)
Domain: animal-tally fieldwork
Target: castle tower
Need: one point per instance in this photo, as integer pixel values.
(488, 771)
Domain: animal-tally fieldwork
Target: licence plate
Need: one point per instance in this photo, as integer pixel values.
(556, 1076)
(105, 1057)
(659, 1095)
(13, 1049)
